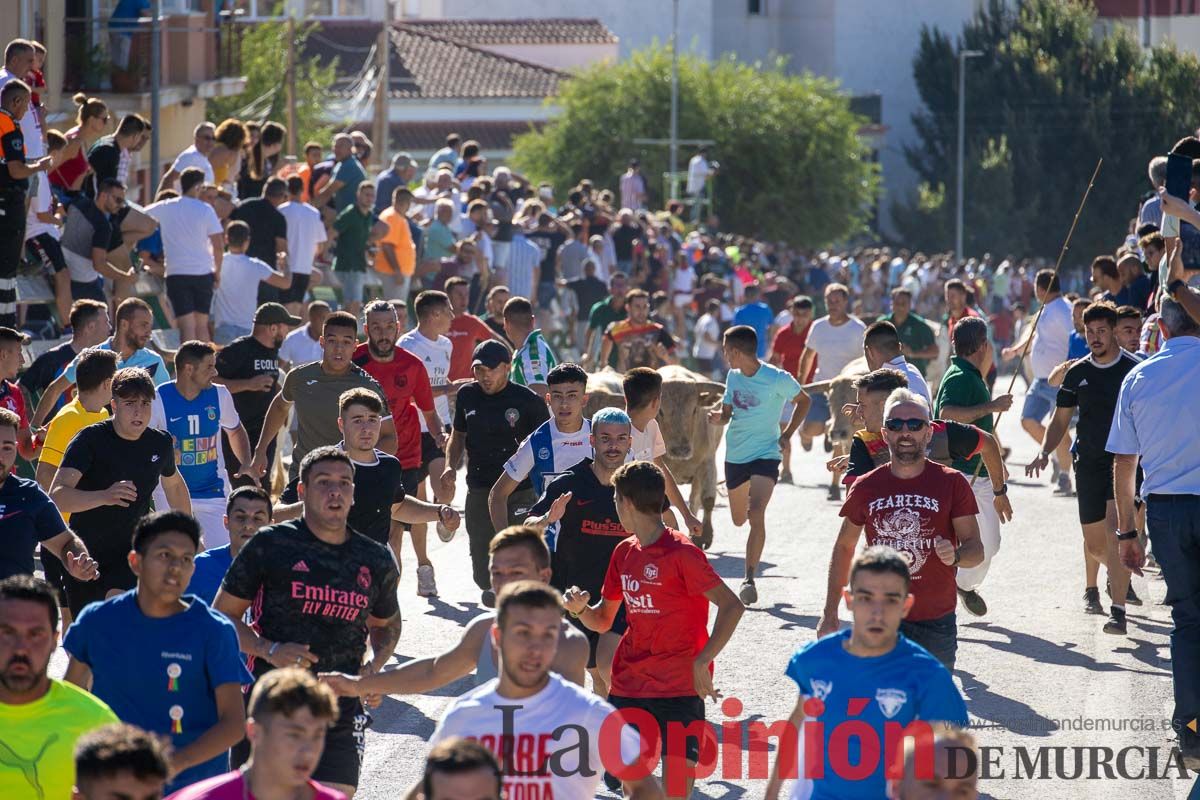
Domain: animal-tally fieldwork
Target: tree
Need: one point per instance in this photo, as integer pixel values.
(264, 49)
(1050, 96)
(792, 165)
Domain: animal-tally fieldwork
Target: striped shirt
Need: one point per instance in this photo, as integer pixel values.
(533, 362)
(523, 258)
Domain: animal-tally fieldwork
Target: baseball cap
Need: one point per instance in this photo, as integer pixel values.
(491, 354)
(274, 314)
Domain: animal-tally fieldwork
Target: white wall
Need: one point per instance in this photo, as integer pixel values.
(492, 110)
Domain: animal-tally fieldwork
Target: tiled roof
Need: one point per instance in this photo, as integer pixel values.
(483, 32)
(492, 135)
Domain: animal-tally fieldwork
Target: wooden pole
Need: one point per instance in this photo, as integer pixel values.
(291, 86)
(380, 128)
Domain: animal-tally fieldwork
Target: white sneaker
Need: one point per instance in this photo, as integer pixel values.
(426, 586)
(444, 533)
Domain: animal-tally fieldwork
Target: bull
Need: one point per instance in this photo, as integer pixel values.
(840, 428)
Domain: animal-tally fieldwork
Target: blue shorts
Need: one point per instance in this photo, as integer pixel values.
(1040, 400)
(819, 410)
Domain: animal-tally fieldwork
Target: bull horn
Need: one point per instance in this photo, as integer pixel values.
(710, 386)
(820, 387)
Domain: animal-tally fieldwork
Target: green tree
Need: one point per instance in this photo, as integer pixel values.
(1052, 94)
(792, 164)
(264, 49)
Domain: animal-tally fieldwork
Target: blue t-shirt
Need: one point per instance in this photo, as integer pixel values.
(758, 316)
(161, 674)
(148, 360)
(757, 402)
(26, 517)
(904, 685)
(1077, 346)
(211, 566)
(195, 425)
(152, 244)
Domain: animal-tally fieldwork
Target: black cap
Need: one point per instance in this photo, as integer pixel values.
(491, 354)
(274, 314)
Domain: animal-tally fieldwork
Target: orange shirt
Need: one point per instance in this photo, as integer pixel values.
(400, 237)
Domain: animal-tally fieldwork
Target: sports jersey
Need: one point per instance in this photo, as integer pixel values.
(466, 331)
(435, 355)
(951, 441)
(634, 344)
(547, 453)
(148, 360)
(648, 444)
(522, 735)
(896, 688)
(12, 399)
(757, 402)
(315, 394)
(1093, 388)
(377, 487)
(195, 425)
(39, 740)
(533, 361)
(588, 532)
(70, 420)
(662, 586)
(29, 517)
(406, 383)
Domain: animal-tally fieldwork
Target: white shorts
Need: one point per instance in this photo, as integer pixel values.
(683, 299)
(210, 513)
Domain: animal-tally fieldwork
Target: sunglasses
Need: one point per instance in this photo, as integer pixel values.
(894, 424)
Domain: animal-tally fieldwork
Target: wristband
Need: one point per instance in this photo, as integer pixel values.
(1124, 537)
(957, 556)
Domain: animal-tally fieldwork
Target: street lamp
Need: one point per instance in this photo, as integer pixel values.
(674, 155)
(963, 55)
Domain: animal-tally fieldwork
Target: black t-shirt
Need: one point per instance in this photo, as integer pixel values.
(12, 151)
(589, 291)
(495, 425)
(45, 368)
(246, 357)
(308, 591)
(377, 487)
(548, 242)
(588, 532)
(624, 238)
(266, 225)
(1093, 388)
(950, 441)
(104, 458)
(497, 326)
(105, 160)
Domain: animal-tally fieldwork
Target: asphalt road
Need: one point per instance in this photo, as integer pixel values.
(1040, 678)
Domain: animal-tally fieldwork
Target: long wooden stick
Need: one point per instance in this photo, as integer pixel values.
(1042, 307)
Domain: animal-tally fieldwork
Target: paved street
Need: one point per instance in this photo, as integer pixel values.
(1032, 668)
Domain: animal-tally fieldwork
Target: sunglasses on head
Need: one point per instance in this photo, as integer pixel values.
(895, 424)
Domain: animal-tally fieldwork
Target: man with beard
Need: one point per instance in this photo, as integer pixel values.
(249, 368)
(410, 400)
(637, 341)
(1092, 385)
(41, 717)
(922, 509)
(320, 592)
(135, 321)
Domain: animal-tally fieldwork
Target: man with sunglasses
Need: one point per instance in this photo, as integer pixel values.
(924, 510)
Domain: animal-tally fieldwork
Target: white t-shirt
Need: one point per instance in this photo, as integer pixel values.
(191, 158)
(39, 203)
(836, 346)
(305, 232)
(567, 450)
(697, 174)
(186, 223)
(648, 444)
(31, 131)
(435, 355)
(916, 381)
(707, 325)
(1052, 339)
(300, 348)
(236, 299)
(478, 715)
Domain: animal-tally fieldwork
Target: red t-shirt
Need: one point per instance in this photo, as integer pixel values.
(951, 320)
(12, 399)
(663, 588)
(466, 331)
(69, 171)
(406, 384)
(908, 515)
(790, 346)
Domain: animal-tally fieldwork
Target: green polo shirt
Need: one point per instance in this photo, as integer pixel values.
(600, 317)
(353, 227)
(962, 385)
(916, 335)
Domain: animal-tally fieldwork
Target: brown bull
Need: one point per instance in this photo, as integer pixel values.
(840, 428)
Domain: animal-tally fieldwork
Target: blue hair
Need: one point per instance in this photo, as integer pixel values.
(610, 415)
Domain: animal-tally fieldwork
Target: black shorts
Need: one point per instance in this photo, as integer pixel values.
(1093, 488)
(190, 294)
(88, 290)
(114, 574)
(667, 710)
(737, 474)
(295, 293)
(619, 626)
(430, 452)
(345, 744)
(47, 250)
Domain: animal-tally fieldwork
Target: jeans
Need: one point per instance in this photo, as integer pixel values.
(480, 530)
(1173, 523)
(939, 636)
(226, 332)
(969, 578)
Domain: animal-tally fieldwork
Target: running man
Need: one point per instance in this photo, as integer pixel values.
(120, 761)
(533, 359)
(664, 662)
(898, 680)
(637, 341)
(247, 511)
(1092, 385)
(755, 394)
(833, 342)
(787, 348)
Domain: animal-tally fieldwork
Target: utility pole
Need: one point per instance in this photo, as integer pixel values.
(291, 86)
(674, 97)
(380, 132)
(963, 55)
(155, 95)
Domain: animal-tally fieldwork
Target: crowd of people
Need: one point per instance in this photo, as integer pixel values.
(215, 532)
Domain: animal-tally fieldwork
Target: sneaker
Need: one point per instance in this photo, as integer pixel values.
(1064, 485)
(748, 594)
(488, 599)
(972, 602)
(1055, 472)
(612, 782)
(1116, 622)
(1091, 601)
(444, 533)
(426, 585)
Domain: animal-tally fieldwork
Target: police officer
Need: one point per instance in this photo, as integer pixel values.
(14, 184)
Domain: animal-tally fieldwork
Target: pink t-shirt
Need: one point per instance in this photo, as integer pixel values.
(230, 786)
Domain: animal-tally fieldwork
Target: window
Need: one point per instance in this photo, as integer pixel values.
(756, 7)
(335, 8)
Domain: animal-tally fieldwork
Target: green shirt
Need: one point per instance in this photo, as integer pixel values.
(915, 335)
(963, 386)
(600, 317)
(533, 362)
(354, 229)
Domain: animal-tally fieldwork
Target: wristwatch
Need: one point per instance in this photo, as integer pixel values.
(1003, 490)
(1124, 537)
(957, 556)
(1174, 286)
